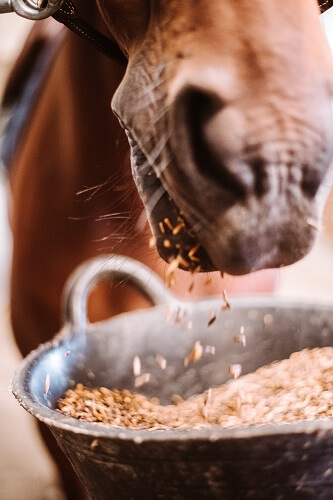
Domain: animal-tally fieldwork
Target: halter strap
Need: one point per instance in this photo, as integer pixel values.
(325, 5)
(65, 12)
(68, 15)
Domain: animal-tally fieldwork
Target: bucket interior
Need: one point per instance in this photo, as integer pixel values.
(104, 355)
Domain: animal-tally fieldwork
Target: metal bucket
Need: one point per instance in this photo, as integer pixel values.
(284, 461)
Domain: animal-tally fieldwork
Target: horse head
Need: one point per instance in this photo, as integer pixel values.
(227, 107)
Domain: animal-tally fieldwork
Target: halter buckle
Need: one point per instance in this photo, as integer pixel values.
(30, 9)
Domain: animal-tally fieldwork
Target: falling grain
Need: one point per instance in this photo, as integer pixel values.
(169, 315)
(167, 222)
(178, 228)
(206, 398)
(210, 349)
(193, 250)
(183, 262)
(235, 370)
(47, 384)
(174, 264)
(136, 366)
(191, 254)
(268, 319)
(208, 281)
(212, 320)
(152, 242)
(142, 380)
(240, 339)
(170, 273)
(161, 361)
(194, 355)
(180, 314)
(196, 270)
(187, 325)
(94, 443)
(226, 304)
(177, 400)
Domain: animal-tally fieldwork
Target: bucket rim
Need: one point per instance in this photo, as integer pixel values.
(52, 418)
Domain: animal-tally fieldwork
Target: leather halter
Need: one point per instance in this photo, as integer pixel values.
(325, 5)
(65, 12)
(68, 15)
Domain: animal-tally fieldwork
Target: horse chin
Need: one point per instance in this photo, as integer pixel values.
(240, 242)
(235, 256)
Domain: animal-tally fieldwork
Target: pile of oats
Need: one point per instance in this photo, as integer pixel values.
(295, 389)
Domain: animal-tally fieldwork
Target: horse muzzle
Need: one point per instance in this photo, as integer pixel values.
(251, 197)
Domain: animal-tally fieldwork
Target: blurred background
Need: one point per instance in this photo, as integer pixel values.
(26, 471)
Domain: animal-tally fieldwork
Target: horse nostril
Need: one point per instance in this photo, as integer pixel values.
(213, 137)
(261, 183)
(311, 181)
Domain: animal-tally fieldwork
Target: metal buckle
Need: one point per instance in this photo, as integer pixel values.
(30, 9)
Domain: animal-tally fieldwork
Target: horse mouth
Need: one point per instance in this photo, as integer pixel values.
(196, 234)
(234, 250)
(178, 245)
(200, 233)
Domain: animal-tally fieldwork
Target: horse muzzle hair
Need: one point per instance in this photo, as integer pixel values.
(227, 107)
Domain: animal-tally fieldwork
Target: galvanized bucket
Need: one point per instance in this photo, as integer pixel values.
(284, 461)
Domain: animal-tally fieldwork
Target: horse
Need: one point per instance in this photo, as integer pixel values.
(222, 111)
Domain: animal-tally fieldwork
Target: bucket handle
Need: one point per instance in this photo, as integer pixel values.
(113, 266)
